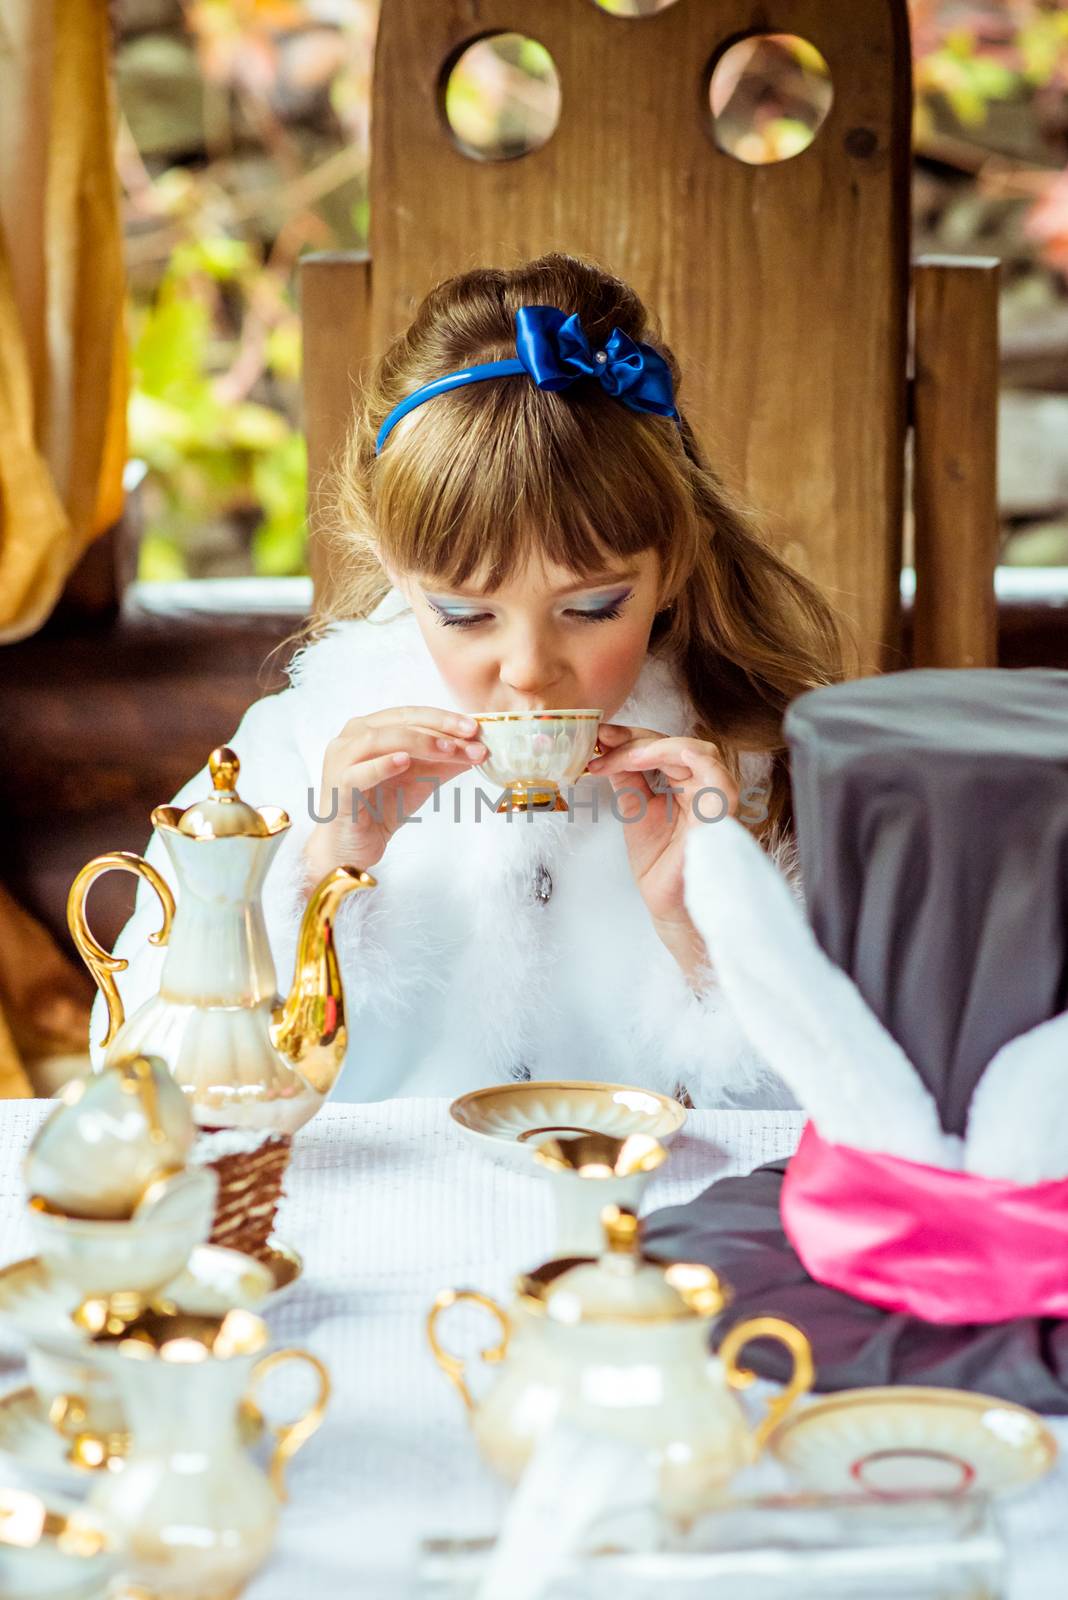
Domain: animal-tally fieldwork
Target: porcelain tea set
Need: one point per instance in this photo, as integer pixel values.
(123, 1198)
(145, 1345)
(617, 1344)
(246, 1056)
(143, 1348)
(138, 1334)
(603, 1339)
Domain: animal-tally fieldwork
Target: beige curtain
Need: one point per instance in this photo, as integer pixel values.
(62, 348)
(62, 406)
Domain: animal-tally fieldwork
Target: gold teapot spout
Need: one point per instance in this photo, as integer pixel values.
(308, 1028)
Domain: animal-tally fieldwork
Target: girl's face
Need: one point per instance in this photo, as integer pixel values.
(545, 640)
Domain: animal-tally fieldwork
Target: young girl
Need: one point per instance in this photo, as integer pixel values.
(527, 522)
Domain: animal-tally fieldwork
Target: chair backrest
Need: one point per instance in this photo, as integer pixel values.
(783, 288)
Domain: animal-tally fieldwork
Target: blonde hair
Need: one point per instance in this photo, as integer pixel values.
(483, 477)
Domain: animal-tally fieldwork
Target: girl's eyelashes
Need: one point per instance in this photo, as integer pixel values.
(452, 622)
(602, 614)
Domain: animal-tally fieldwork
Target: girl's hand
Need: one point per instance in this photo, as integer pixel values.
(656, 825)
(387, 759)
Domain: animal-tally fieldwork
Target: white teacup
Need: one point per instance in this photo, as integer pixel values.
(140, 1254)
(533, 754)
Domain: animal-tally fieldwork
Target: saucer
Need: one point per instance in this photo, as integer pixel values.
(38, 1307)
(284, 1262)
(31, 1447)
(891, 1441)
(52, 1551)
(34, 1449)
(507, 1119)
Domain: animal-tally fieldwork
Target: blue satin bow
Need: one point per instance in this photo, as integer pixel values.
(554, 351)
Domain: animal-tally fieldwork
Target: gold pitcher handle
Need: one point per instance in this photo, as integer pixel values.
(102, 965)
(289, 1436)
(801, 1380)
(453, 1366)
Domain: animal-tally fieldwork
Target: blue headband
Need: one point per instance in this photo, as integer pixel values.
(554, 351)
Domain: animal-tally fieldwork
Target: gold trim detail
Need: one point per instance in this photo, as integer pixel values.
(801, 1380)
(290, 1436)
(86, 1447)
(26, 1522)
(309, 1027)
(858, 1400)
(101, 964)
(551, 715)
(666, 1105)
(453, 1366)
(524, 796)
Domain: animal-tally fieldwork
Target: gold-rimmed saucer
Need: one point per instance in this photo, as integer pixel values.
(33, 1447)
(912, 1440)
(284, 1262)
(39, 1307)
(505, 1120)
(52, 1549)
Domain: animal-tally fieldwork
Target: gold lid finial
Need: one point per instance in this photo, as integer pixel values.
(224, 766)
(622, 1284)
(223, 814)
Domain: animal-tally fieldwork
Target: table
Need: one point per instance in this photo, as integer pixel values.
(388, 1203)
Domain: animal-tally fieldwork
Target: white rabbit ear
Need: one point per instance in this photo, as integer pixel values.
(1018, 1118)
(805, 1016)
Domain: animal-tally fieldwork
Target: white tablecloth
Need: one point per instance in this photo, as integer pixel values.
(389, 1203)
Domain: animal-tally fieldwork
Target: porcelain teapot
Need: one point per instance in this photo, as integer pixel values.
(618, 1345)
(244, 1055)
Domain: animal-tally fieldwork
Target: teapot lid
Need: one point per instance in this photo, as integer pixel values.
(223, 814)
(622, 1284)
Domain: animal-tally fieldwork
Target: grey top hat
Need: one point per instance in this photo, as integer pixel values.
(931, 810)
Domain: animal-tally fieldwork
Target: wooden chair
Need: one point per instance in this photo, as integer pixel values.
(784, 289)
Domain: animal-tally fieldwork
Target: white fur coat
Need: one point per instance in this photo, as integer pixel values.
(456, 974)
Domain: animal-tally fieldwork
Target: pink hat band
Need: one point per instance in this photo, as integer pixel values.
(948, 1247)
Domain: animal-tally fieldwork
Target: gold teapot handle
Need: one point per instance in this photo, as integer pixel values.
(453, 1366)
(102, 965)
(291, 1435)
(801, 1379)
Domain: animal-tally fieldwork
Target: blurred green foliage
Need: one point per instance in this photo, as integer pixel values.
(209, 455)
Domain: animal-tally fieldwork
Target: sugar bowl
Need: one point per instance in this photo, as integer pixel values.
(618, 1345)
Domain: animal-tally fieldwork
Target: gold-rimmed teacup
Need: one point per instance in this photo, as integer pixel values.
(140, 1253)
(534, 754)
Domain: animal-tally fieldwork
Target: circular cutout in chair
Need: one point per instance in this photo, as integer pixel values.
(769, 94)
(633, 8)
(500, 97)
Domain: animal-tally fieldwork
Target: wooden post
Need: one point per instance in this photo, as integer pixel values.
(335, 305)
(955, 461)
